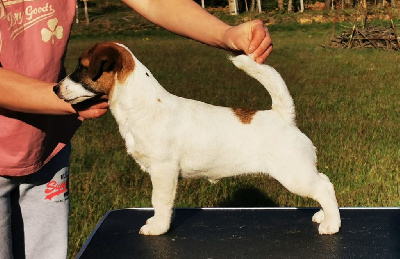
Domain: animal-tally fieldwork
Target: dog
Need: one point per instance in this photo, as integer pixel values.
(170, 136)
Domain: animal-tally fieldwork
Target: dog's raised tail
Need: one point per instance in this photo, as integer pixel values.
(282, 102)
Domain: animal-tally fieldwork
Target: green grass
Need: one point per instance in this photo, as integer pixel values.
(347, 102)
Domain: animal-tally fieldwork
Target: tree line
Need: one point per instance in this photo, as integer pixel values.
(288, 5)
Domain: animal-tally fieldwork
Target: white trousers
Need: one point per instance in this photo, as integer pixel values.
(34, 212)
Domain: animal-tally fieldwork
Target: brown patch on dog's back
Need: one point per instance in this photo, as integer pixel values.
(245, 116)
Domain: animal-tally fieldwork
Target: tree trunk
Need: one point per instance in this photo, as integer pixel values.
(233, 7)
(301, 6)
(280, 5)
(86, 12)
(259, 6)
(247, 6)
(202, 4)
(327, 4)
(76, 12)
(347, 3)
(289, 8)
(252, 5)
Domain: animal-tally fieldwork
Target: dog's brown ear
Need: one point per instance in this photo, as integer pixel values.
(104, 60)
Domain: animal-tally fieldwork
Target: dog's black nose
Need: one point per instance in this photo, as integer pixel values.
(56, 88)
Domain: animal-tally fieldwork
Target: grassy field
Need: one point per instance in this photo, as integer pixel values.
(347, 102)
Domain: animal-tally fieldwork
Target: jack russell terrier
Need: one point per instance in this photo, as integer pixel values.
(170, 136)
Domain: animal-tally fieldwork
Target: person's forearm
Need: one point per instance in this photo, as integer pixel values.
(24, 94)
(183, 17)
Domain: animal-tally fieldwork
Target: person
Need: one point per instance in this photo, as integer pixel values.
(36, 126)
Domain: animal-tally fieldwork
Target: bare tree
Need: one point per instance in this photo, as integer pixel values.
(290, 8)
(328, 4)
(86, 12)
(259, 6)
(347, 3)
(247, 6)
(280, 5)
(233, 7)
(392, 3)
(76, 12)
(252, 5)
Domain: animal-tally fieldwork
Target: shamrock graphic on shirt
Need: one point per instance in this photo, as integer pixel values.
(53, 31)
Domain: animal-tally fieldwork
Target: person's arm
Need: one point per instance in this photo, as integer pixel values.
(187, 18)
(24, 94)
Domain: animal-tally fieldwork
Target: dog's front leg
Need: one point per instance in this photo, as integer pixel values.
(164, 180)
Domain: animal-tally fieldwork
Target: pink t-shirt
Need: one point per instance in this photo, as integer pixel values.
(33, 39)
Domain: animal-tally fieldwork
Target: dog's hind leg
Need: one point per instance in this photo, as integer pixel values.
(164, 179)
(328, 216)
(318, 187)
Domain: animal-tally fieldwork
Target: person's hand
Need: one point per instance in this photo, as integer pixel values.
(92, 108)
(252, 38)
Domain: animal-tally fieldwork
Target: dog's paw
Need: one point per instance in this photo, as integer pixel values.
(326, 227)
(329, 228)
(154, 227)
(319, 217)
(152, 230)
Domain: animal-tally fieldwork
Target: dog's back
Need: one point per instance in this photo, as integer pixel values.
(282, 102)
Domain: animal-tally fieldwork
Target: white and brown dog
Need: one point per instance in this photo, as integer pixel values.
(170, 136)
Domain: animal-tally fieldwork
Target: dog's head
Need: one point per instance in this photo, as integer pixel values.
(100, 68)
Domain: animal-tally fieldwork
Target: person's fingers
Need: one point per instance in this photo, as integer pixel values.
(264, 48)
(252, 38)
(263, 51)
(264, 55)
(92, 108)
(92, 113)
(100, 105)
(257, 36)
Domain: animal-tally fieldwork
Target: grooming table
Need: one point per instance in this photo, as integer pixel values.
(247, 233)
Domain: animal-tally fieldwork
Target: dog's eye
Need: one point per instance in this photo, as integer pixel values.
(80, 67)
